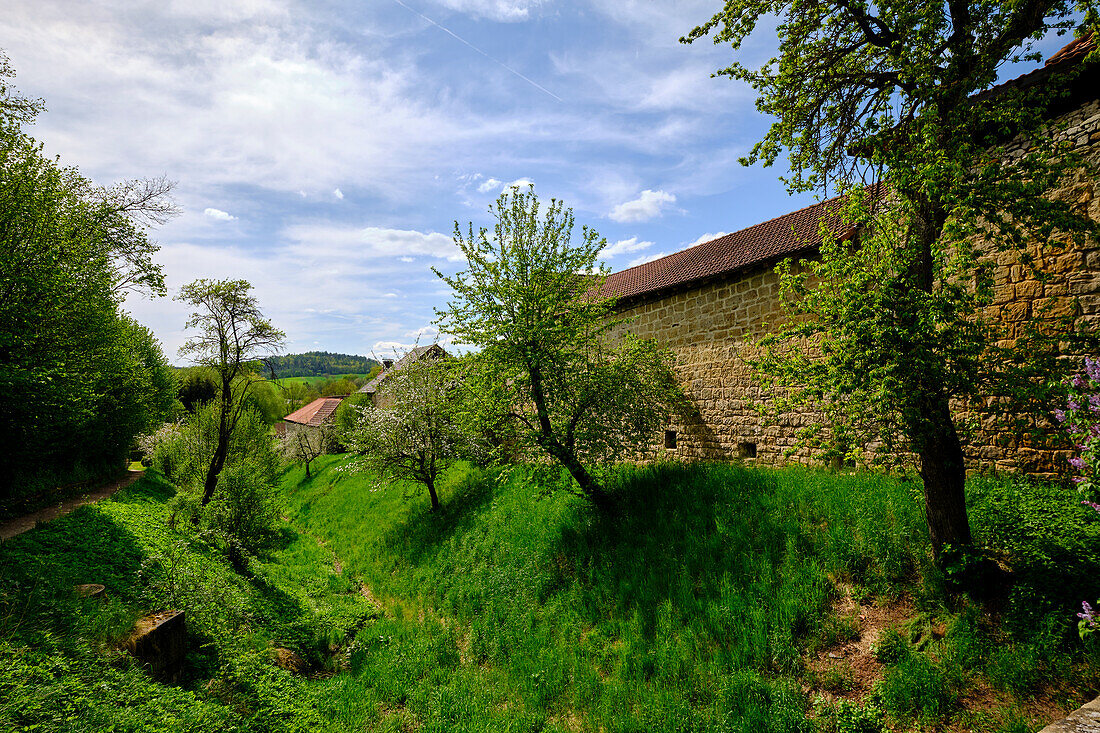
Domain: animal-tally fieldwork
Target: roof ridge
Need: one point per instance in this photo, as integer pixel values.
(733, 233)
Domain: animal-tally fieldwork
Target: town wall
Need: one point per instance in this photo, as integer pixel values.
(711, 328)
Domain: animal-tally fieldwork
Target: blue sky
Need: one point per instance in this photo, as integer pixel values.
(323, 150)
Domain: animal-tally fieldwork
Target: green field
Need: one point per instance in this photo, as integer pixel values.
(316, 380)
(706, 598)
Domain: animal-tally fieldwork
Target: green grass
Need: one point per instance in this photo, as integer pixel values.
(61, 666)
(315, 380)
(695, 604)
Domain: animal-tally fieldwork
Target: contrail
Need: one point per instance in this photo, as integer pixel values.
(462, 40)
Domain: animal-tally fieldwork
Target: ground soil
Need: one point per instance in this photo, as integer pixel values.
(848, 670)
(12, 527)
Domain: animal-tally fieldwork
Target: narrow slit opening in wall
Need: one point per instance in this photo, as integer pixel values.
(670, 439)
(746, 450)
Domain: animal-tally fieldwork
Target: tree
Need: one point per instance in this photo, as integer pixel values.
(891, 90)
(529, 304)
(416, 432)
(78, 378)
(232, 334)
(308, 443)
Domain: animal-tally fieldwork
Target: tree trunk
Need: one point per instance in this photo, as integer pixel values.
(562, 453)
(432, 495)
(943, 470)
(217, 462)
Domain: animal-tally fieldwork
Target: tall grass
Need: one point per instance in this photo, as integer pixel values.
(700, 581)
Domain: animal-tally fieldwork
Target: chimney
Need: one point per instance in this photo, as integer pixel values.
(387, 364)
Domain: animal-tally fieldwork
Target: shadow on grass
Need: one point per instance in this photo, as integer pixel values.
(674, 533)
(39, 569)
(424, 531)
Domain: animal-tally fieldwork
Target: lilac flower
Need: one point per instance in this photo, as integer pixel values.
(1088, 614)
(1092, 366)
(1060, 415)
(1074, 406)
(1078, 463)
(1078, 479)
(1092, 504)
(1079, 381)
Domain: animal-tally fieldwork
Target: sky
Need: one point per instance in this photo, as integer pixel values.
(323, 150)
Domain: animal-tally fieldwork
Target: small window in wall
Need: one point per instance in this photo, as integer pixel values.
(670, 439)
(746, 450)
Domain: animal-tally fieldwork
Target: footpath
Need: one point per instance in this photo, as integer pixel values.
(12, 527)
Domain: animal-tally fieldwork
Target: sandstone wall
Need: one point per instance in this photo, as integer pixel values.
(711, 327)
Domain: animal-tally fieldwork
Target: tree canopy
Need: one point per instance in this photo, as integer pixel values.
(530, 302)
(78, 378)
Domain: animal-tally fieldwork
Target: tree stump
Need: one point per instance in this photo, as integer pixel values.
(159, 641)
(91, 590)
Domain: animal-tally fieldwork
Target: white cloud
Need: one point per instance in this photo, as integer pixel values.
(488, 185)
(346, 244)
(505, 11)
(647, 258)
(407, 259)
(338, 194)
(648, 205)
(520, 183)
(218, 214)
(623, 246)
(704, 238)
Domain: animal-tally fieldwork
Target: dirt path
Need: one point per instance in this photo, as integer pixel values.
(19, 525)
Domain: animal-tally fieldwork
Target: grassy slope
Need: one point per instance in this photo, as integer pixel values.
(60, 664)
(698, 604)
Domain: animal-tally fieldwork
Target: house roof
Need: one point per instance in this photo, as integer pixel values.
(780, 237)
(316, 412)
(784, 236)
(411, 356)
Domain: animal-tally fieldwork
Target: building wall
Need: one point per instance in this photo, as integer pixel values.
(711, 328)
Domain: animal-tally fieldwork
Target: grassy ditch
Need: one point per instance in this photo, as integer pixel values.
(716, 598)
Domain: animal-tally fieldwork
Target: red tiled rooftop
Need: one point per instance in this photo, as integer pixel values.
(783, 236)
(316, 412)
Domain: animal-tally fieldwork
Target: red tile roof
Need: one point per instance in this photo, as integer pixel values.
(316, 412)
(771, 240)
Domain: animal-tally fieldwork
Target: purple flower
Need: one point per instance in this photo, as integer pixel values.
(1079, 381)
(1092, 366)
(1092, 504)
(1087, 615)
(1060, 415)
(1076, 462)
(1073, 405)
(1078, 479)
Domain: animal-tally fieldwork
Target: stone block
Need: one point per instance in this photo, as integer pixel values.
(159, 641)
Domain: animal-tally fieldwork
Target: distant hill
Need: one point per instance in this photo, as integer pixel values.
(320, 363)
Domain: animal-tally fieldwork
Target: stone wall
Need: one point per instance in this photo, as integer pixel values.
(711, 328)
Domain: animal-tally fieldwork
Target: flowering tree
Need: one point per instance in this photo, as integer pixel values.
(417, 431)
(530, 303)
